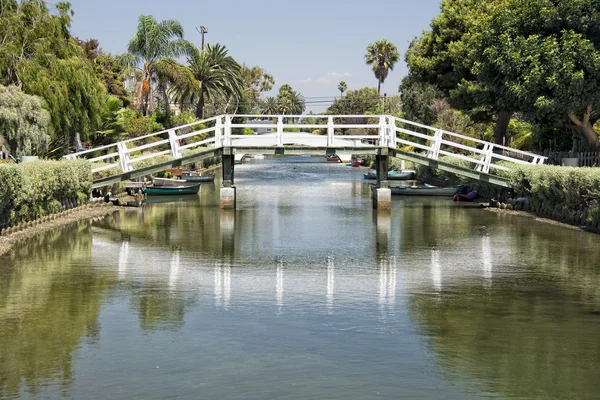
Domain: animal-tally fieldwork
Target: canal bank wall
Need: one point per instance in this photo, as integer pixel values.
(12, 236)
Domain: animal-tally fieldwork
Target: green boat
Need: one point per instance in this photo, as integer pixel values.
(173, 190)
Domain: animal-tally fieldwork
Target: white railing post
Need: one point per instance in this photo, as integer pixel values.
(330, 132)
(219, 132)
(280, 131)
(174, 142)
(434, 153)
(123, 157)
(393, 133)
(488, 158)
(227, 134)
(383, 140)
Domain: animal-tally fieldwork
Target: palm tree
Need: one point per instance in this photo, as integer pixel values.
(270, 106)
(382, 55)
(342, 87)
(214, 72)
(153, 42)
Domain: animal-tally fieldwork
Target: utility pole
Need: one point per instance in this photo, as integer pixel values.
(202, 29)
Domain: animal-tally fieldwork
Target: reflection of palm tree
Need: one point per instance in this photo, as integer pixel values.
(383, 56)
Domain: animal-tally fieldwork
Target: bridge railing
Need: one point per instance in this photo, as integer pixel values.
(438, 142)
(125, 154)
(329, 124)
(376, 131)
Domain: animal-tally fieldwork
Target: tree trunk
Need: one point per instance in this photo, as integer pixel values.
(586, 127)
(167, 107)
(378, 87)
(501, 127)
(200, 106)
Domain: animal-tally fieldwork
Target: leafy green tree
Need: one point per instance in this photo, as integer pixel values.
(446, 56)
(417, 100)
(356, 102)
(135, 125)
(255, 81)
(382, 56)
(39, 56)
(153, 42)
(213, 72)
(23, 122)
(342, 87)
(110, 129)
(546, 56)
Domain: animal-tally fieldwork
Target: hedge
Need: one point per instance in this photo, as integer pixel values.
(33, 190)
(560, 192)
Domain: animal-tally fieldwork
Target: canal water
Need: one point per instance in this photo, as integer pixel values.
(302, 293)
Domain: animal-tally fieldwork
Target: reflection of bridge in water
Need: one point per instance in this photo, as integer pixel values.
(332, 283)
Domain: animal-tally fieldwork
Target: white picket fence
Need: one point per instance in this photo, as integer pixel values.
(382, 131)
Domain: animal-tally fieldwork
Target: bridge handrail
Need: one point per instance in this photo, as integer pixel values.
(382, 131)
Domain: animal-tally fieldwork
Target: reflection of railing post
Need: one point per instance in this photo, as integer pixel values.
(123, 157)
(174, 142)
(330, 131)
(434, 153)
(280, 131)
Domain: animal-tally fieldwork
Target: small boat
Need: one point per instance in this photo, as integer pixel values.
(166, 182)
(394, 175)
(333, 158)
(198, 178)
(356, 163)
(348, 164)
(425, 191)
(173, 190)
(466, 197)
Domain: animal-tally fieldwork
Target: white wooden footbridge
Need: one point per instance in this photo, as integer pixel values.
(382, 135)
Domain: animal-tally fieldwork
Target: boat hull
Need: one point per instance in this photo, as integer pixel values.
(198, 178)
(172, 190)
(425, 191)
(402, 176)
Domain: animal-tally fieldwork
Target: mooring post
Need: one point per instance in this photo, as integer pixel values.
(228, 192)
(382, 195)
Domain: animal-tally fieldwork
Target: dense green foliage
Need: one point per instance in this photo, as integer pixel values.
(563, 192)
(34, 190)
(495, 59)
(39, 55)
(23, 122)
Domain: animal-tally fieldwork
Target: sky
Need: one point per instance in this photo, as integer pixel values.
(310, 44)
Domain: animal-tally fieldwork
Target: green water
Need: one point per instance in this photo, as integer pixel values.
(302, 293)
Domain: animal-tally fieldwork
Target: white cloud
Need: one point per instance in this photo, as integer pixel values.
(333, 78)
(305, 82)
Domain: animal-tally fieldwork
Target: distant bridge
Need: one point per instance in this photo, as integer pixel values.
(381, 135)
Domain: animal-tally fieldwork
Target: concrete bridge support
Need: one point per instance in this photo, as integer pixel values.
(228, 190)
(382, 195)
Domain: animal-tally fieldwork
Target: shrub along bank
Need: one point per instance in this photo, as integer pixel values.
(563, 193)
(34, 190)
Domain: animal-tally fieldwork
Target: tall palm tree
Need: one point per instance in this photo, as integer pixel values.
(382, 55)
(214, 73)
(153, 42)
(269, 106)
(342, 87)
